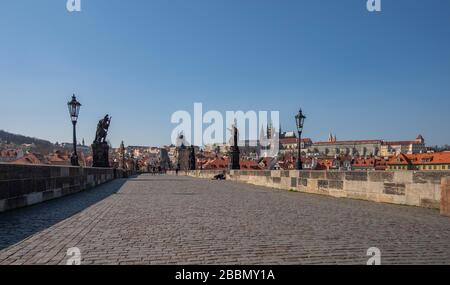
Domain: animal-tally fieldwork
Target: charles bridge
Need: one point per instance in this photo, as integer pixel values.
(253, 217)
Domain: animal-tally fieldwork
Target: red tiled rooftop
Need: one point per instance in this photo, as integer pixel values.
(29, 158)
(421, 158)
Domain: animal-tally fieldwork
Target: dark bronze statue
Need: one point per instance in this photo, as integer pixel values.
(102, 129)
(234, 138)
(100, 148)
(192, 159)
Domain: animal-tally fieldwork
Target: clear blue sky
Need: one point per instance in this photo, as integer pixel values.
(358, 74)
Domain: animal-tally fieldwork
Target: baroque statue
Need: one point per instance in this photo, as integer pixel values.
(102, 129)
(100, 148)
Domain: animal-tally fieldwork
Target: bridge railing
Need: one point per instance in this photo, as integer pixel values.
(412, 188)
(445, 196)
(24, 185)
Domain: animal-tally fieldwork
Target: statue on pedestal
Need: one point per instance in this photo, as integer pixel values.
(100, 148)
(192, 159)
(122, 163)
(234, 149)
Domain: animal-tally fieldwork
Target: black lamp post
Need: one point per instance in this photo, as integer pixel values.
(74, 109)
(122, 156)
(300, 120)
(201, 159)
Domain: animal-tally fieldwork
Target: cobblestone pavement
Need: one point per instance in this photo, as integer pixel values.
(182, 220)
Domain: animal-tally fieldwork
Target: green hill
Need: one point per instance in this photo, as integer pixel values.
(41, 145)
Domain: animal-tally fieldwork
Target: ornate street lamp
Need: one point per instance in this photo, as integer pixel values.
(300, 120)
(122, 163)
(74, 109)
(201, 156)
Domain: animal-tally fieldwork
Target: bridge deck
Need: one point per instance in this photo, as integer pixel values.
(173, 220)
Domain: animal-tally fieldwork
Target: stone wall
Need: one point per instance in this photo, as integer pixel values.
(24, 185)
(413, 188)
(445, 196)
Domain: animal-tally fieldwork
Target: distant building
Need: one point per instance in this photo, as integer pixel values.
(290, 144)
(389, 149)
(222, 163)
(59, 158)
(9, 155)
(247, 148)
(216, 163)
(85, 149)
(218, 148)
(369, 163)
(29, 158)
(138, 151)
(422, 161)
(289, 134)
(333, 147)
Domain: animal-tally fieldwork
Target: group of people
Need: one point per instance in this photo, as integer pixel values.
(156, 170)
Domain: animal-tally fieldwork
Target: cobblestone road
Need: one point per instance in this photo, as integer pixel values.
(181, 220)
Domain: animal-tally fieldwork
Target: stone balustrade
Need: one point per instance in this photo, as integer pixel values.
(445, 196)
(412, 188)
(24, 185)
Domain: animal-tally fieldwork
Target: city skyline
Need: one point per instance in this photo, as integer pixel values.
(218, 138)
(356, 74)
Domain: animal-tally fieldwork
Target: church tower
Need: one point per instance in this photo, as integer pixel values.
(269, 131)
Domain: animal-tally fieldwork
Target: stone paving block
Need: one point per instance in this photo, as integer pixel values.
(183, 220)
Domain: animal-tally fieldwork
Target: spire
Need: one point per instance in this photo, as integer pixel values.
(269, 130)
(420, 139)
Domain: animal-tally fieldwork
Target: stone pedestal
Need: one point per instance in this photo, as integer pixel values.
(445, 196)
(100, 154)
(192, 160)
(234, 158)
(183, 158)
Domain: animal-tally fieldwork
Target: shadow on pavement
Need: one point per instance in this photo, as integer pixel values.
(17, 225)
